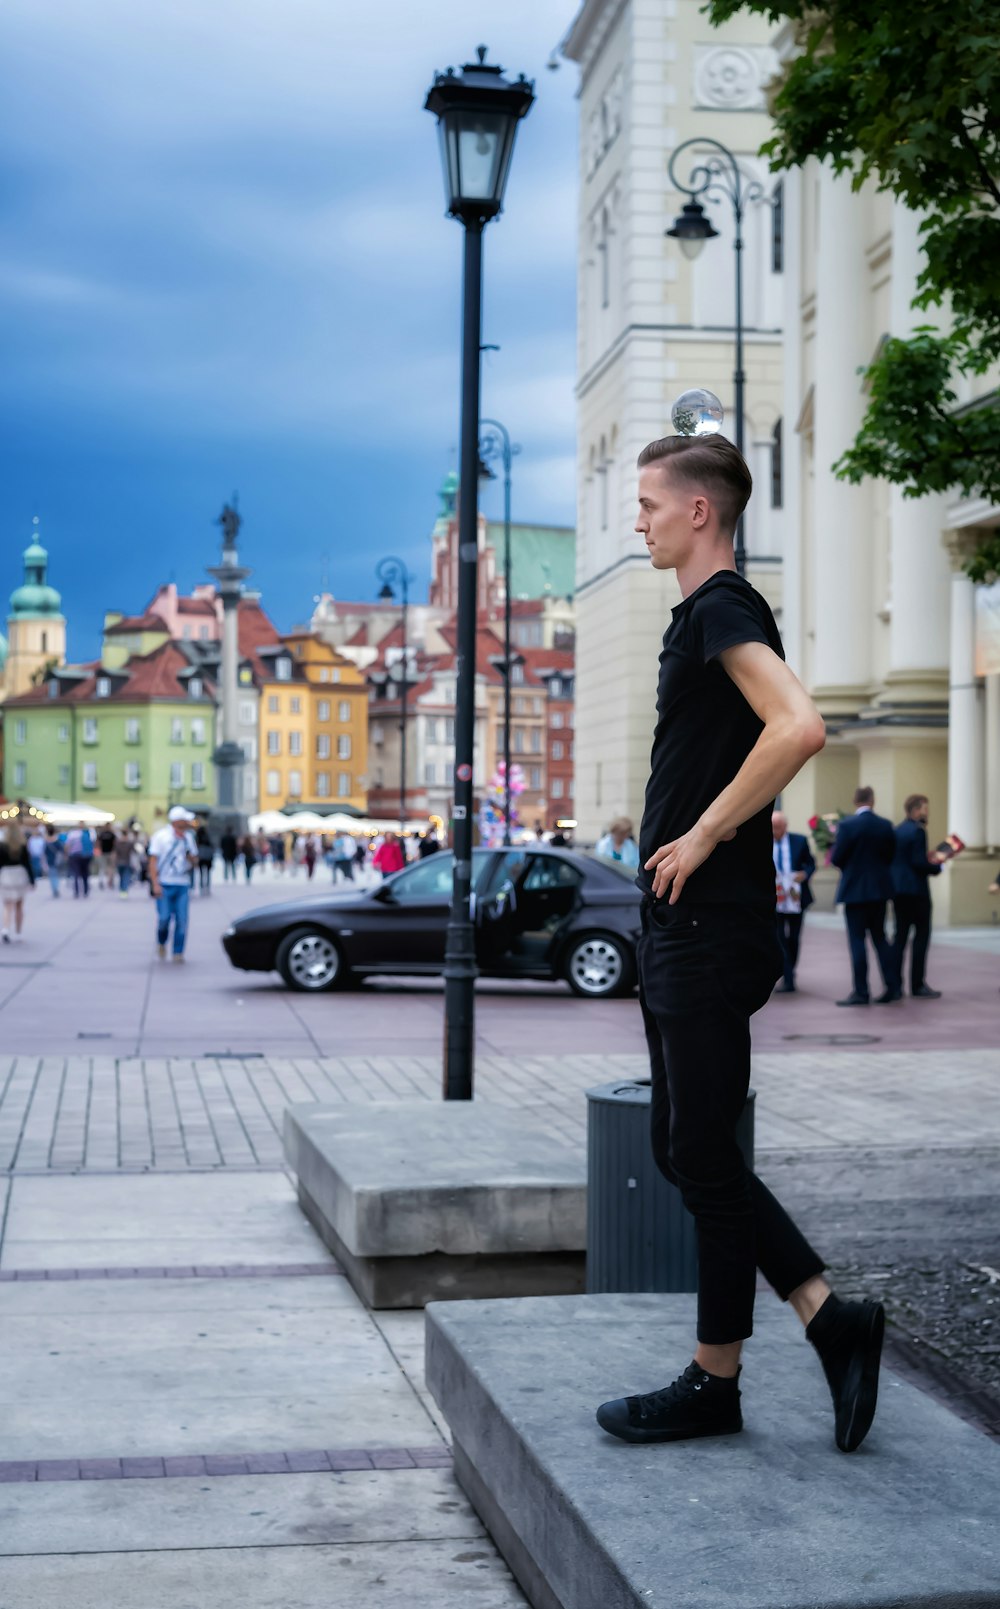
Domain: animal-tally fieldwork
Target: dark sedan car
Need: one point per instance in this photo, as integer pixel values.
(539, 913)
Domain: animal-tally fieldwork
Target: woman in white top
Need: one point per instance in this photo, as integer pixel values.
(619, 844)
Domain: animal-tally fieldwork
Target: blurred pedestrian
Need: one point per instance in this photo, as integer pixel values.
(619, 844)
(206, 858)
(388, 858)
(912, 868)
(863, 850)
(53, 860)
(278, 851)
(36, 849)
(310, 853)
(343, 856)
(248, 849)
(80, 854)
(106, 856)
(172, 854)
(17, 875)
(793, 868)
(229, 849)
(428, 845)
(124, 854)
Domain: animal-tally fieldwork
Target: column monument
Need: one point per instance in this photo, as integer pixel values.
(229, 577)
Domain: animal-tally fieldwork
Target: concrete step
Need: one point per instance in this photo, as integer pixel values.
(774, 1518)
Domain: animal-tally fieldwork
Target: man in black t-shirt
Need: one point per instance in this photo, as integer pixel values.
(733, 727)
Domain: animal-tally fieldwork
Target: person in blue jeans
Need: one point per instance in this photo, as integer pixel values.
(172, 854)
(53, 858)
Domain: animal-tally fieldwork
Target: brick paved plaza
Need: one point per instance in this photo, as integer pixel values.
(196, 1408)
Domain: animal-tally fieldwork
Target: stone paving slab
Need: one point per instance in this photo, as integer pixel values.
(241, 1511)
(775, 1518)
(452, 1574)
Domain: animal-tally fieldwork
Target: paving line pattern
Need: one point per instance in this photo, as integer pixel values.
(337, 1460)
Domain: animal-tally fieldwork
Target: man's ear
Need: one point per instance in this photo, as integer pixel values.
(699, 512)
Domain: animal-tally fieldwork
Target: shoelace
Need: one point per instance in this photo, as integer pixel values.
(682, 1390)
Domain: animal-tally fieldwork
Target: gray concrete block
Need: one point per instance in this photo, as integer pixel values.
(426, 1202)
(775, 1518)
(402, 1179)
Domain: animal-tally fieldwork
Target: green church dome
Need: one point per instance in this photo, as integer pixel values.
(35, 597)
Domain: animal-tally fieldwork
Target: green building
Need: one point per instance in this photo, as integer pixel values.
(133, 739)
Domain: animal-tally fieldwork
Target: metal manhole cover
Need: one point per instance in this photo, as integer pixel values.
(835, 1039)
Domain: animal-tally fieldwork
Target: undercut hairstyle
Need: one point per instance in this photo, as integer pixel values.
(708, 464)
(914, 800)
(864, 796)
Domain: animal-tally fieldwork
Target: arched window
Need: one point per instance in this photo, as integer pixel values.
(776, 467)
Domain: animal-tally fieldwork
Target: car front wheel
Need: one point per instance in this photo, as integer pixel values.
(598, 966)
(308, 959)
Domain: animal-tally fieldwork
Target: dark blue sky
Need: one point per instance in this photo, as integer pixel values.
(225, 265)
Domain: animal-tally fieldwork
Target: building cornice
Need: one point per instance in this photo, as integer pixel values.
(588, 32)
(682, 334)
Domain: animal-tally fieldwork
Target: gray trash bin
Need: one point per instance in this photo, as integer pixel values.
(640, 1235)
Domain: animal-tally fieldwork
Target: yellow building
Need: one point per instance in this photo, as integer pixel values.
(313, 726)
(36, 627)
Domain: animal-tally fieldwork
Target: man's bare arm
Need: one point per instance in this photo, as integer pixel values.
(793, 731)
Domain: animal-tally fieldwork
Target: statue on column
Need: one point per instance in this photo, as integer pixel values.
(230, 522)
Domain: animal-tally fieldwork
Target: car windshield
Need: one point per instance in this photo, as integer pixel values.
(432, 878)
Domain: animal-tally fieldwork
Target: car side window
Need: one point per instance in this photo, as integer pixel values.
(545, 871)
(429, 879)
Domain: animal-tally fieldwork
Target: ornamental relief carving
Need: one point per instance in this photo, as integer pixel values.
(605, 122)
(733, 77)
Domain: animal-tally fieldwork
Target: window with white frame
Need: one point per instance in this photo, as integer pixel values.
(517, 740)
(324, 673)
(272, 703)
(249, 787)
(555, 686)
(176, 730)
(535, 777)
(20, 731)
(323, 709)
(177, 773)
(344, 746)
(537, 706)
(64, 731)
(430, 774)
(273, 783)
(517, 675)
(556, 787)
(89, 729)
(536, 740)
(432, 729)
(203, 633)
(295, 705)
(295, 742)
(322, 784)
(557, 751)
(198, 730)
(295, 784)
(335, 675)
(90, 773)
(322, 745)
(378, 733)
(249, 747)
(343, 784)
(133, 730)
(248, 712)
(20, 773)
(197, 773)
(103, 687)
(449, 728)
(274, 742)
(344, 710)
(283, 670)
(64, 776)
(556, 720)
(195, 687)
(131, 773)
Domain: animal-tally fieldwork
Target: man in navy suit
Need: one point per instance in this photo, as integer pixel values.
(793, 862)
(912, 866)
(864, 849)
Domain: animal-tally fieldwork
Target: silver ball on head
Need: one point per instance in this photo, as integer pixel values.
(697, 413)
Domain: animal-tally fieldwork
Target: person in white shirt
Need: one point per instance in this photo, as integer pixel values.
(619, 844)
(172, 853)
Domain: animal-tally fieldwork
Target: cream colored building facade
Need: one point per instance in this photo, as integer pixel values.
(879, 617)
(651, 324)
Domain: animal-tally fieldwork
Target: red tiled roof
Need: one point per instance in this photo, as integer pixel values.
(146, 622)
(255, 630)
(144, 677)
(195, 606)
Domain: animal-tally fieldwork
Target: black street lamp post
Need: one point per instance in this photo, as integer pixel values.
(719, 174)
(495, 442)
(388, 571)
(478, 112)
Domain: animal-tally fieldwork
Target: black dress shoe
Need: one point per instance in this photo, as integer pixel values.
(854, 1000)
(848, 1338)
(889, 996)
(923, 993)
(698, 1404)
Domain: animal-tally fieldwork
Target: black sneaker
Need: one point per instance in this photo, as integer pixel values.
(854, 1000)
(848, 1338)
(698, 1404)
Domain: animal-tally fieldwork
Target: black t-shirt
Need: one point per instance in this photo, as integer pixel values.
(704, 731)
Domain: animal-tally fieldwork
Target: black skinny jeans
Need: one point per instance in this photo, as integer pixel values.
(703, 971)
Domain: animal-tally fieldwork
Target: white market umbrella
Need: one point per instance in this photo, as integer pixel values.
(307, 821)
(70, 815)
(269, 821)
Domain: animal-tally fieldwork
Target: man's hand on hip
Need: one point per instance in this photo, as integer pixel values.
(675, 862)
